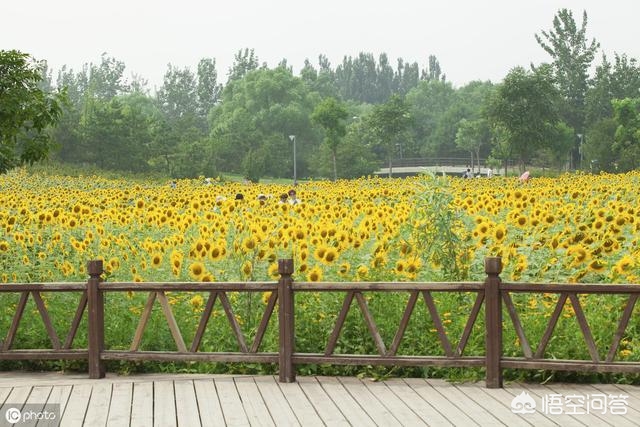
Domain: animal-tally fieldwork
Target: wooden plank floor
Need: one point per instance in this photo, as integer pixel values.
(218, 400)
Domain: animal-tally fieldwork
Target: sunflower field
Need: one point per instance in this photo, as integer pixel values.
(576, 228)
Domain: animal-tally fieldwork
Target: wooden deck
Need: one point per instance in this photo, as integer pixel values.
(212, 400)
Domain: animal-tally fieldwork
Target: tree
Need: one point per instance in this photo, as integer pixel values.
(501, 149)
(469, 102)
(390, 122)
(525, 105)
(178, 94)
(356, 78)
(471, 136)
(384, 78)
(627, 138)
(180, 123)
(434, 72)
(354, 158)
(429, 101)
(308, 73)
(330, 114)
(613, 80)
(117, 132)
(322, 80)
(572, 56)
(406, 77)
(561, 142)
(137, 116)
(106, 118)
(26, 111)
(67, 131)
(243, 63)
(250, 127)
(597, 148)
(208, 90)
(107, 79)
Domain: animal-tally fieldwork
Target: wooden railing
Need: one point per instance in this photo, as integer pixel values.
(492, 294)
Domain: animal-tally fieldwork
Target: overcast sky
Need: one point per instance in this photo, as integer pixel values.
(472, 39)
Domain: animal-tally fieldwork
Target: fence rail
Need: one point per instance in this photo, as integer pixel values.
(430, 161)
(438, 161)
(492, 295)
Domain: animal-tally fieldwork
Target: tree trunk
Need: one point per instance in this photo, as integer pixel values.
(166, 158)
(335, 169)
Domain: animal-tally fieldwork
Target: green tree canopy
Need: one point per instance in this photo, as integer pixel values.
(26, 111)
(597, 147)
(471, 136)
(627, 137)
(572, 55)
(258, 112)
(183, 121)
(613, 80)
(208, 89)
(330, 115)
(429, 102)
(117, 132)
(244, 62)
(390, 123)
(525, 105)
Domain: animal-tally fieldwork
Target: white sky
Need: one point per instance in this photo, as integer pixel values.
(472, 39)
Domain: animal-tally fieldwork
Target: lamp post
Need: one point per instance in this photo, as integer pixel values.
(399, 146)
(295, 174)
(580, 152)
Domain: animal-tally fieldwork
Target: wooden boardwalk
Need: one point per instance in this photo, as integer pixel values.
(216, 400)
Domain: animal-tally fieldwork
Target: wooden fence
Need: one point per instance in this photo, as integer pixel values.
(492, 294)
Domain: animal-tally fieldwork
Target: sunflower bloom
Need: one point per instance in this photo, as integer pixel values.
(196, 270)
(624, 265)
(197, 302)
(315, 274)
(247, 268)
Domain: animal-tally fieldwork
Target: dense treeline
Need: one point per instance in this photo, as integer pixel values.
(193, 125)
(350, 118)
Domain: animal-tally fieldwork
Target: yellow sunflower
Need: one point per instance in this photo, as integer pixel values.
(196, 270)
(624, 265)
(315, 274)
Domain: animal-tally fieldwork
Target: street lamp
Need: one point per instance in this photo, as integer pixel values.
(399, 147)
(580, 152)
(295, 174)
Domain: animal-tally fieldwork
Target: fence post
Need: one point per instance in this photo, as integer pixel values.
(493, 321)
(286, 321)
(95, 299)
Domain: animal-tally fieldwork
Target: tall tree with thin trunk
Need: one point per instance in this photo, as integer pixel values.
(390, 122)
(331, 114)
(471, 136)
(526, 106)
(572, 55)
(207, 89)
